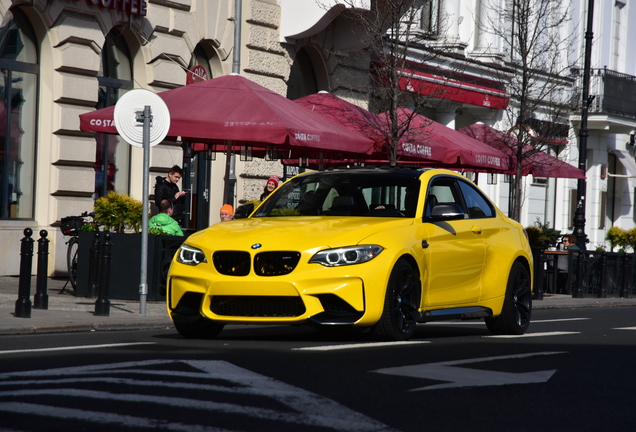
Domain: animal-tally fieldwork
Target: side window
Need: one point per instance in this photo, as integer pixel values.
(477, 205)
(442, 191)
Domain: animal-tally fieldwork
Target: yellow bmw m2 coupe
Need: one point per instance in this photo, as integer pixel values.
(382, 249)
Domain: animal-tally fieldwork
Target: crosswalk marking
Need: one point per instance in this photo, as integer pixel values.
(167, 386)
(76, 347)
(358, 345)
(529, 335)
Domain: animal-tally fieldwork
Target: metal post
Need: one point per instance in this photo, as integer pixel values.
(93, 267)
(238, 24)
(23, 304)
(602, 288)
(41, 299)
(624, 292)
(143, 278)
(539, 268)
(102, 304)
(579, 215)
(579, 271)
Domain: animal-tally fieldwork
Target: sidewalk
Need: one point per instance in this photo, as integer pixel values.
(67, 313)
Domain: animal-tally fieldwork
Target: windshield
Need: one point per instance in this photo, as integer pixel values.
(371, 194)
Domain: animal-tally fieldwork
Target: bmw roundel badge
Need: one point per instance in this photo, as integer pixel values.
(256, 246)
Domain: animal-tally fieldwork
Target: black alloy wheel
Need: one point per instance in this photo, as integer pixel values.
(517, 307)
(401, 303)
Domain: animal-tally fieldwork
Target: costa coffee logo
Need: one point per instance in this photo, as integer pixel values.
(133, 7)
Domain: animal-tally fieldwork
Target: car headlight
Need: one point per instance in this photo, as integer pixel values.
(346, 255)
(190, 255)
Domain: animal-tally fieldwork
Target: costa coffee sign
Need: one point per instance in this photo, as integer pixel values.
(196, 74)
(133, 7)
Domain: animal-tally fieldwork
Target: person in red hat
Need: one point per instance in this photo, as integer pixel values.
(272, 183)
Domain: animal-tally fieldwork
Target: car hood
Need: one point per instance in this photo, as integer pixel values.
(296, 233)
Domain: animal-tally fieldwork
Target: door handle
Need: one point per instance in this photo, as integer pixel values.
(476, 229)
(425, 244)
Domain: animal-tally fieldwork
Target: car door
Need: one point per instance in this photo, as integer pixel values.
(456, 248)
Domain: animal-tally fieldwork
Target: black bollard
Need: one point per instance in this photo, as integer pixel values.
(102, 304)
(602, 287)
(624, 292)
(23, 304)
(41, 299)
(93, 267)
(578, 288)
(539, 270)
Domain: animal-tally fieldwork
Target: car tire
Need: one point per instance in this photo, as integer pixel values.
(199, 329)
(517, 307)
(401, 303)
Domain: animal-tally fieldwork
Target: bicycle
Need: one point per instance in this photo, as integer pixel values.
(71, 226)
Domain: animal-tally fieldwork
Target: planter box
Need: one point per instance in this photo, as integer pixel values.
(125, 265)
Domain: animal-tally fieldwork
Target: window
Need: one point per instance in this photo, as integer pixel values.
(477, 205)
(618, 47)
(539, 181)
(445, 190)
(18, 108)
(112, 155)
(492, 179)
(430, 17)
(345, 194)
(601, 210)
(633, 207)
(573, 206)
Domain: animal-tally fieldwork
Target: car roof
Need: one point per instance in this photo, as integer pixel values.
(365, 171)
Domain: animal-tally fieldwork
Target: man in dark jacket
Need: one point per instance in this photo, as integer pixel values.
(166, 188)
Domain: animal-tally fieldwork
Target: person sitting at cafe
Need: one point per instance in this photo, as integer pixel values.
(163, 220)
(569, 243)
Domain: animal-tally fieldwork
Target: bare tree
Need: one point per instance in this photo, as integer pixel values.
(536, 44)
(397, 43)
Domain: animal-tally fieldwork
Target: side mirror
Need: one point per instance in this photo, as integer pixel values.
(446, 212)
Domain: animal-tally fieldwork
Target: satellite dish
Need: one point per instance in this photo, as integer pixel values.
(132, 104)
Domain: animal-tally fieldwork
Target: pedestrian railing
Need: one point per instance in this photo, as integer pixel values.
(585, 274)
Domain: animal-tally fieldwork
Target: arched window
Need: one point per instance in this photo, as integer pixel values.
(18, 100)
(112, 155)
(302, 77)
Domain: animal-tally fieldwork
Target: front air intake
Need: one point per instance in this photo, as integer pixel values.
(232, 263)
(275, 263)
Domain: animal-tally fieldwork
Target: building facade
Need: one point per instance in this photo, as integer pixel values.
(62, 58)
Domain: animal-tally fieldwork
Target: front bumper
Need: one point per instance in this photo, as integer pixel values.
(323, 297)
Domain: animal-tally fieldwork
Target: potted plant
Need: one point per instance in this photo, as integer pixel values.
(121, 215)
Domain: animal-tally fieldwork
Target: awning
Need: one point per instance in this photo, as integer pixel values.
(458, 91)
(628, 162)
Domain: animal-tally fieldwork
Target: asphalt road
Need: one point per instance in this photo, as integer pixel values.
(572, 371)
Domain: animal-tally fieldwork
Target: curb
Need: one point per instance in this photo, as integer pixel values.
(84, 328)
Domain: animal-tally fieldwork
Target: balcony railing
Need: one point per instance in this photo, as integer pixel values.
(612, 92)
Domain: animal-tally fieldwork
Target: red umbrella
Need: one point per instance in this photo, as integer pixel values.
(469, 152)
(345, 113)
(426, 143)
(539, 164)
(411, 148)
(233, 108)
